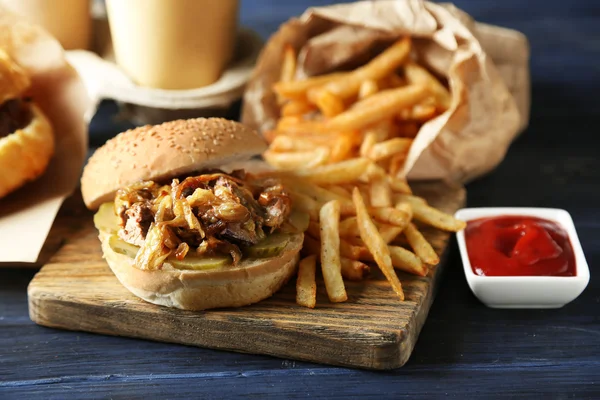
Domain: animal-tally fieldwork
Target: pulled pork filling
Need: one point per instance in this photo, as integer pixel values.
(14, 114)
(208, 214)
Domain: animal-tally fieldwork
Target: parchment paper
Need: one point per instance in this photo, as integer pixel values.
(486, 68)
(26, 215)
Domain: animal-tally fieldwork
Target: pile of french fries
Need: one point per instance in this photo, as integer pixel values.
(340, 146)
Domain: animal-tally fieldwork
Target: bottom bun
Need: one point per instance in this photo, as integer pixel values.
(249, 282)
(26, 152)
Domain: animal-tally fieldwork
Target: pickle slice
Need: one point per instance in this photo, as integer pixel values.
(122, 247)
(105, 219)
(200, 263)
(189, 262)
(269, 247)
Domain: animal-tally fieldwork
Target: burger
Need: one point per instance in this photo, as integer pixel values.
(26, 135)
(181, 229)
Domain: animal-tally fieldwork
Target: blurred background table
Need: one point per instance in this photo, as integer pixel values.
(465, 349)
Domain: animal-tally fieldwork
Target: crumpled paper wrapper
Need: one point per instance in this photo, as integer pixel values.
(486, 68)
(27, 214)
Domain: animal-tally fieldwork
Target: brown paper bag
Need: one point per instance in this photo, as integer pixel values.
(486, 68)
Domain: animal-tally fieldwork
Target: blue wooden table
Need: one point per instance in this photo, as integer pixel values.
(465, 349)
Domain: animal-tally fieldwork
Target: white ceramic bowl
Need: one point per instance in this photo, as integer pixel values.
(525, 291)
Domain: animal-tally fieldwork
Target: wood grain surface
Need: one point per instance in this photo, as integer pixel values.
(76, 290)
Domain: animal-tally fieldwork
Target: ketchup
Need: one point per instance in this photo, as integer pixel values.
(519, 246)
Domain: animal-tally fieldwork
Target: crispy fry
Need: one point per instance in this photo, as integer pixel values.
(296, 107)
(341, 191)
(367, 88)
(297, 89)
(382, 105)
(342, 147)
(420, 245)
(399, 185)
(392, 216)
(283, 143)
(389, 232)
(288, 65)
(295, 160)
(306, 286)
(305, 204)
(383, 150)
(407, 261)
(296, 126)
(329, 104)
(415, 74)
(432, 216)
(381, 194)
(349, 227)
(354, 270)
(329, 217)
(396, 164)
(368, 142)
(344, 171)
(380, 66)
(376, 245)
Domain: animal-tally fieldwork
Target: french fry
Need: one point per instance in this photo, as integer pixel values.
(342, 147)
(296, 107)
(294, 125)
(375, 244)
(283, 143)
(349, 250)
(399, 185)
(380, 66)
(288, 65)
(306, 286)
(396, 163)
(367, 88)
(342, 172)
(340, 191)
(415, 74)
(295, 160)
(391, 216)
(329, 217)
(297, 89)
(329, 104)
(305, 204)
(369, 140)
(354, 270)
(420, 245)
(389, 232)
(407, 261)
(432, 216)
(349, 227)
(380, 106)
(383, 150)
(381, 194)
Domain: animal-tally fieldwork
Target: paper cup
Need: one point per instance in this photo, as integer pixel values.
(69, 21)
(168, 44)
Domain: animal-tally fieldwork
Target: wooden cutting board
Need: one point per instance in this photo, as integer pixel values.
(76, 290)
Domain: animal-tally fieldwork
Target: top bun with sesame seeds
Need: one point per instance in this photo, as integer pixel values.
(165, 151)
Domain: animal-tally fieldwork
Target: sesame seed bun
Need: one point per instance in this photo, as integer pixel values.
(165, 151)
(251, 281)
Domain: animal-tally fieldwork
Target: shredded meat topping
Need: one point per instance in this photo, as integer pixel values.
(14, 114)
(212, 213)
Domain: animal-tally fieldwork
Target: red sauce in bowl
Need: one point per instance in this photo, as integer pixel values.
(519, 246)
